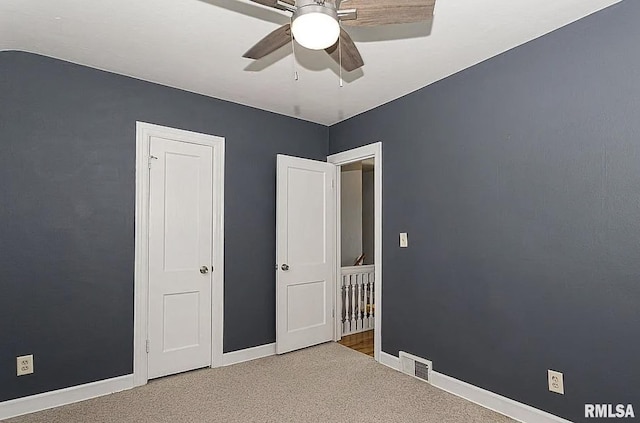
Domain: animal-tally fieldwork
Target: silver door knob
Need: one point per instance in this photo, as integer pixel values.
(285, 267)
(204, 270)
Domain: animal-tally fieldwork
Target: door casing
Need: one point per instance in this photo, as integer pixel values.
(369, 151)
(144, 131)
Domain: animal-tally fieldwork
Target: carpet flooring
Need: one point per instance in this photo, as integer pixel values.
(326, 383)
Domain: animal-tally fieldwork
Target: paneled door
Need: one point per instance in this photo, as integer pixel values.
(180, 256)
(305, 252)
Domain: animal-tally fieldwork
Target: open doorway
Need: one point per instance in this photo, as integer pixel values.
(356, 308)
(359, 248)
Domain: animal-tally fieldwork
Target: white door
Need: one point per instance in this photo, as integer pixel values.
(305, 244)
(180, 257)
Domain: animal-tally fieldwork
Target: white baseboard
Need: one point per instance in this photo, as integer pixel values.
(482, 397)
(390, 360)
(248, 354)
(39, 402)
(503, 405)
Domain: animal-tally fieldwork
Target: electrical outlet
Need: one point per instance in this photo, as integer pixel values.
(556, 382)
(404, 240)
(24, 365)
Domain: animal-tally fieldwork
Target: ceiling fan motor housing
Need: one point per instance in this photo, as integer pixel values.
(304, 7)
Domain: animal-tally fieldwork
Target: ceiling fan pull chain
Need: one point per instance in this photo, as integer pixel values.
(293, 50)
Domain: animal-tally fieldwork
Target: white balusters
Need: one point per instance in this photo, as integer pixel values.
(354, 303)
(366, 285)
(371, 309)
(357, 295)
(343, 300)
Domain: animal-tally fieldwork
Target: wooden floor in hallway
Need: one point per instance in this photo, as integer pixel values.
(362, 342)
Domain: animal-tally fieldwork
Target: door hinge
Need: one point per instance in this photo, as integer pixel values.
(333, 184)
(333, 313)
(147, 346)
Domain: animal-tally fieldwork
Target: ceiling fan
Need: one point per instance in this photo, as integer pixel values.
(315, 24)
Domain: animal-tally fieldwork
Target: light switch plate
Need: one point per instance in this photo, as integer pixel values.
(556, 382)
(404, 240)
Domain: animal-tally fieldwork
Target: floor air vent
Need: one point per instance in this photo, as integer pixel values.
(415, 366)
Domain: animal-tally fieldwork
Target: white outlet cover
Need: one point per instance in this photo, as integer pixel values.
(404, 240)
(24, 365)
(556, 382)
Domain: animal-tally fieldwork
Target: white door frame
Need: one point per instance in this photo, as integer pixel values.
(373, 151)
(144, 131)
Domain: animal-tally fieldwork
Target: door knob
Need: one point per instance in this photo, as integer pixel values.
(204, 270)
(285, 267)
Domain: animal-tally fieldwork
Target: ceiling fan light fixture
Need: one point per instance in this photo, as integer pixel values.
(315, 27)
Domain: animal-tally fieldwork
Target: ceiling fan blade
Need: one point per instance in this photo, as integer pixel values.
(273, 3)
(351, 59)
(385, 12)
(270, 43)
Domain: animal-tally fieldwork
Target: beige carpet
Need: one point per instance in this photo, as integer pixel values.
(327, 383)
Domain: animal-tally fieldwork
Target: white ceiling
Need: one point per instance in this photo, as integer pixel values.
(197, 45)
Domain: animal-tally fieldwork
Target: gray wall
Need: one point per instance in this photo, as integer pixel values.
(518, 181)
(67, 189)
